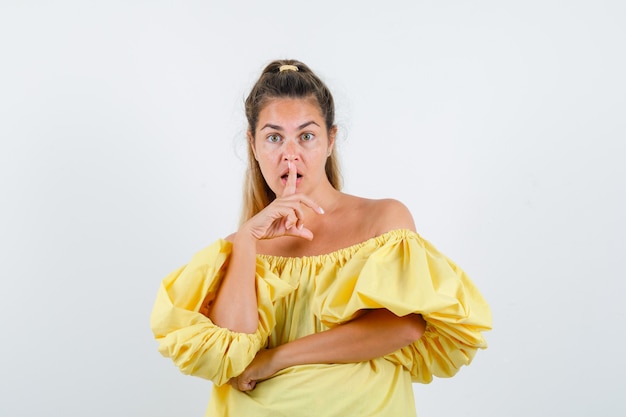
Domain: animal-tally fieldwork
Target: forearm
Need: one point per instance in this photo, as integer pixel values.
(235, 305)
(375, 334)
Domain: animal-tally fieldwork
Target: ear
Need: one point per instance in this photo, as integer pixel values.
(332, 134)
(252, 144)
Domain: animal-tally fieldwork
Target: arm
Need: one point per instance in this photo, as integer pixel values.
(235, 304)
(372, 335)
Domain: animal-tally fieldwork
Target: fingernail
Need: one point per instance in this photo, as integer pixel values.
(289, 164)
(321, 210)
(301, 226)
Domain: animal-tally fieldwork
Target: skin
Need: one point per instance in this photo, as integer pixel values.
(291, 144)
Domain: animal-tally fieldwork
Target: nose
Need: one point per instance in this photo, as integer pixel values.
(290, 151)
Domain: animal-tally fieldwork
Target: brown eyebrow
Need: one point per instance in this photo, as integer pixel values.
(302, 126)
(280, 129)
(275, 127)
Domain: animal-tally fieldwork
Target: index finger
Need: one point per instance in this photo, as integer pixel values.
(292, 176)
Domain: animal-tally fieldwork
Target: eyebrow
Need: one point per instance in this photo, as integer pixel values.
(279, 128)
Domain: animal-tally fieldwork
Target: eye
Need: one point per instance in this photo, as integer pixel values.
(273, 138)
(307, 136)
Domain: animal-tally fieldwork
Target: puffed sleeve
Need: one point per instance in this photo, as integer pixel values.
(406, 274)
(196, 345)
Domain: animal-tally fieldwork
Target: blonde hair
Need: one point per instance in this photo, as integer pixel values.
(293, 80)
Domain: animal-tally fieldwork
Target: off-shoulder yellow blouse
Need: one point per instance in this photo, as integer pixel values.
(399, 271)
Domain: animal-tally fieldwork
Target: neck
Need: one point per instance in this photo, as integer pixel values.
(327, 197)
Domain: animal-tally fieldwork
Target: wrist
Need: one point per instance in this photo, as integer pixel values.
(245, 237)
(279, 359)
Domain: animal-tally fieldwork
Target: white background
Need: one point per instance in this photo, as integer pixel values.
(500, 124)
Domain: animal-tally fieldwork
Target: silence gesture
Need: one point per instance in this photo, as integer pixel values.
(285, 215)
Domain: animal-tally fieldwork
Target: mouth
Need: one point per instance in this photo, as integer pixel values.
(285, 176)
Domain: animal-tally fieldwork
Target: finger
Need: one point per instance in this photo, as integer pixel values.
(239, 384)
(311, 204)
(246, 386)
(302, 232)
(294, 202)
(298, 216)
(291, 220)
(292, 176)
(295, 215)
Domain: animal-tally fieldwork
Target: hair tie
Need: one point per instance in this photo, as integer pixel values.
(288, 68)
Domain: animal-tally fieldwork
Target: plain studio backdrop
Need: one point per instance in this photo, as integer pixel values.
(501, 125)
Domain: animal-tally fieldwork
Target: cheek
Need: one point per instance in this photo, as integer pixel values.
(265, 156)
(267, 161)
(319, 154)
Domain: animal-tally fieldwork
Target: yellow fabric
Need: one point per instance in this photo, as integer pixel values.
(399, 271)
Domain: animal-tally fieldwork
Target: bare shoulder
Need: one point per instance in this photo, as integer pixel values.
(230, 238)
(389, 214)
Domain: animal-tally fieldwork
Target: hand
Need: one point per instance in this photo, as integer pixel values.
(285, 215)
(261, 368)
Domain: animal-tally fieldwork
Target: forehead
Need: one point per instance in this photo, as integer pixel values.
(286, 111)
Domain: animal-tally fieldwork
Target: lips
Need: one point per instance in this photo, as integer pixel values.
(285, 176)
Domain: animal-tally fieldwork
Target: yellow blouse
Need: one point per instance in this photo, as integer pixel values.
(399, 271)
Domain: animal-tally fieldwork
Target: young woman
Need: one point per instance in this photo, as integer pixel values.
(322, 303)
